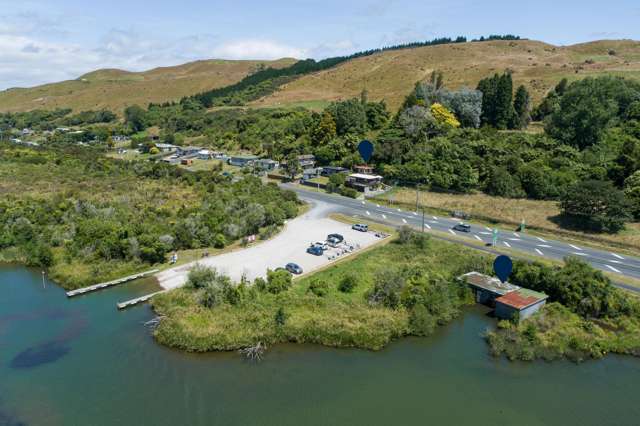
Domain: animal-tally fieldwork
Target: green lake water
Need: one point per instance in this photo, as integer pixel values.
(81, 362)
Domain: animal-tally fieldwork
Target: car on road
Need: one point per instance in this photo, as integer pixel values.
(338, 237)
(293, 268)
(360, 227)
(462, 227)
(315, 250)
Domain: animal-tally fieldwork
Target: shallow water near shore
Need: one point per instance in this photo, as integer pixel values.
(80, 361)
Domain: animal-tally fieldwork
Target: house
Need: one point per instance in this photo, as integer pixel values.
(186, 161)
(520, 304)
(363, 169)
(243, 160)
(311, 173)
(165, 147)
(364, 182)
(26, 132)
(487, 289)
(332, 170)
(205, 154)
(188, 151)
(267, 164)
(307, 161)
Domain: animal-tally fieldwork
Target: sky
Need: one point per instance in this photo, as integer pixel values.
(48, 41)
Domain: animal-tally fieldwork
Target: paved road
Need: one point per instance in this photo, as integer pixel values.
(625, 265)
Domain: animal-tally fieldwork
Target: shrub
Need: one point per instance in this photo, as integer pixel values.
(281, 317)
(387, 290)
(200, 276)
(319, 287)
(348, 283)
(596, 206)
(421, 322)
(277, 281)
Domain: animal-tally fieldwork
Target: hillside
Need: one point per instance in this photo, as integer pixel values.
(391, 75)
(115, 89)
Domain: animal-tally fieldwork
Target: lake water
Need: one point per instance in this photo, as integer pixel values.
(81, 362)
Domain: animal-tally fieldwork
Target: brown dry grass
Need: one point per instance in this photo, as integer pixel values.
(538, 214)
(116, 89)
(391, 75)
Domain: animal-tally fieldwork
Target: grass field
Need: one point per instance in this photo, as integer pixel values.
(116, 89)
(391, 75)
(538, 214)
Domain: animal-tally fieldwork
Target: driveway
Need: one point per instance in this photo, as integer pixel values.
(288, 246)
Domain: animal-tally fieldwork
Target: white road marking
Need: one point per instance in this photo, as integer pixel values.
(541, 240)
(486, 233)
(433, 221)
(404, 220)
(451, 230)
(539, 252)
(617, 256)
(515, 239)
(363, 203)
(574, 247)
(579, 254)
(507, 244)
(368, 213)
(399, 210)
(613, 269)
(428, 227)
(516, 234)
(384, 217)
(478, 238)
(435, 218)
(617, 262)
(487, 228)
(378, 205)
(544, 246)
(415, 213)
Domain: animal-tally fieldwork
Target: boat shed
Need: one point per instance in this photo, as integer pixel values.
(487, 289)
(523, 302)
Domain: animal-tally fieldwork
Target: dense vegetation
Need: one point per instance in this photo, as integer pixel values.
(587, 316)
(89, 218)
(361, 303)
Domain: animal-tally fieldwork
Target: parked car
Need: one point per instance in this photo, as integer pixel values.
(322, 244)
(360, 227)
(293, 268)
(462, 227)
(338, 237)
(333, 242)
(315, 250)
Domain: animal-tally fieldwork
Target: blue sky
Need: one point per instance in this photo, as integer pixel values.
(46, 41)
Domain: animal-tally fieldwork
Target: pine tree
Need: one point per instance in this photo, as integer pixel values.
(522, 107)
(325, 131)
(504, 102)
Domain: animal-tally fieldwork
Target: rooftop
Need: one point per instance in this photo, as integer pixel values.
(522, 298)
(488, 283)
(364, 176)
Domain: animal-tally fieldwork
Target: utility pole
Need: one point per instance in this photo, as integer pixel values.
(422, 220)
(43, 284)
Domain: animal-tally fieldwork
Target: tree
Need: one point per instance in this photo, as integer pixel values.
(348, 283)
(277, 281)
(595, 205)
(522, 107)
(590, 106)
(134, 117)
(444, 116)
(325, 131)
(281, 317)
(503, 184)
(350, 117)
(497, 100)
(292, 166)
(632, 193)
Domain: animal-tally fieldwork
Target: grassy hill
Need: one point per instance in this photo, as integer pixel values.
(115, 89)
(391, 75)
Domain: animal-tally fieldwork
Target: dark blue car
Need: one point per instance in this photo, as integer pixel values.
(315, 250)
(293, 268)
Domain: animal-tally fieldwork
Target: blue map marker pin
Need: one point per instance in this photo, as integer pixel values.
(503, 266)
(366, 150)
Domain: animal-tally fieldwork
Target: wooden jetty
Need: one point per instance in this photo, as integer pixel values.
(100, 286)
(138, 300)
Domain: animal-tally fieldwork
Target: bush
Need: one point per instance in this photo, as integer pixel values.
(277, 281)
(387, 290)
(421, 322)
(319, 287)
(348, 283)
(200, 276)
(348, 192)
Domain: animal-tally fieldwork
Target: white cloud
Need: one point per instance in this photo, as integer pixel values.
(258, 49)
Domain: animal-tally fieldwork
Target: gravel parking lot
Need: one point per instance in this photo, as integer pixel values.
(288, 246)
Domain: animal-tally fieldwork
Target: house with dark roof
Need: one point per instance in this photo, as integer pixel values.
(521, 303)
(487, 289)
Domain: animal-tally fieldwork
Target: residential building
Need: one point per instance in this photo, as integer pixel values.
(243, 160)
(307, 161)
(165, 147)
(332, 170)
(487, 289)
(311, 173)
(267, 164)
(187, 151)
(364, 182)
(521, 303)
(363, 169)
